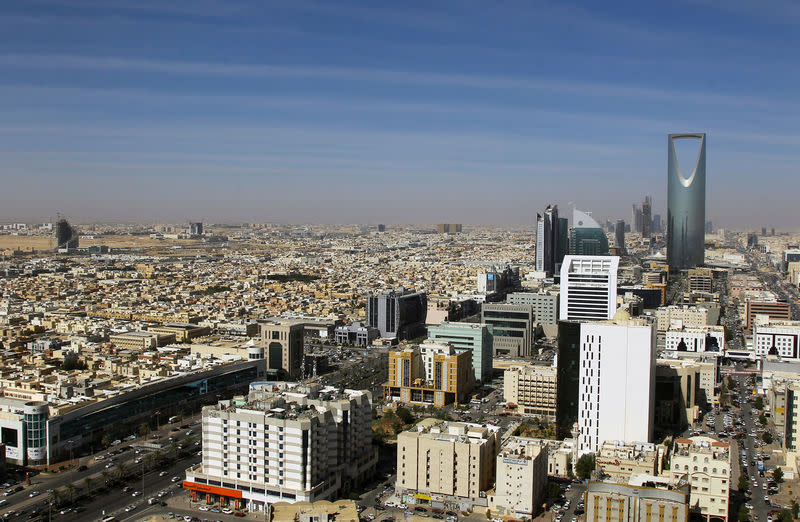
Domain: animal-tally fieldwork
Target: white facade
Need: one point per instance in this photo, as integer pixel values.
(681, 316)
(694, 339)
(588, 288)
(783, 337)
(427, 351)
(285, 442)
(617, 383)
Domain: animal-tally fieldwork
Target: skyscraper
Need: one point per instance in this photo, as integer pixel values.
(617, 382)
(619, 235)
(586, 237)
(550, 239)
(646, 219)
(588, 288)
(636, 219)
(397, 314)
(686, 207)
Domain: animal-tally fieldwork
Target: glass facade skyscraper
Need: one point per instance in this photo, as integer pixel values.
(686, 207)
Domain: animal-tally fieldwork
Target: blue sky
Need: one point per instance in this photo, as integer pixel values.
(395, 112)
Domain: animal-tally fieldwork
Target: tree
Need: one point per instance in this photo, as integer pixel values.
(724, 398)
(784, 515)
(795, 509)
(70, 487)
(144, 429)
(122, 471)
(778, 475)
(405, 415)
(87, 483)
(762, 419)
(767, 437)
(759, 403)
(743, 515)
(585, 466)
(743, 483)
(106, 440)
(106, 477)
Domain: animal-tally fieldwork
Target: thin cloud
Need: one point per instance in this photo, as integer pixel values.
(350, 74)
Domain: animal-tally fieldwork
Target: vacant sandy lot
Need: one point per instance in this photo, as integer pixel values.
(45, 243)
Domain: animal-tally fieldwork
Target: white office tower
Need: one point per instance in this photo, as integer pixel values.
(284, 442)
(588, 288)
(617, 382)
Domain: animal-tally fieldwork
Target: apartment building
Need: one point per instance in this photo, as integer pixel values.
(700, 280)
(706, 463)
(284, 442)
(620, 460)
(533, 389)
(182, 331)
(521, 471)
(433, 374)
(446, 463)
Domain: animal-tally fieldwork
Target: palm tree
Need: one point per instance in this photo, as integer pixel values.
(87, 483)
(106, 477)
(122, 470)
(70, 487)
(55, 497)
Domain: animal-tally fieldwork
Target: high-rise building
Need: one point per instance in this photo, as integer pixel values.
(545, 305)
(381, 228)
(66, 235)
(512, 327)
(300, 442)
(636, 219)
(586, 236)
(619, 236)
(469, 336)
(646, 219)
(398, 314)
(588, 288)
(550, 247)
(568, 376)
(617, 382)
(283, 347)
(196, 228)
(657, 227)
(686, 207)
(774, 309)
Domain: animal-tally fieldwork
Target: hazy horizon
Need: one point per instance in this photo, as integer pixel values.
(355, 112)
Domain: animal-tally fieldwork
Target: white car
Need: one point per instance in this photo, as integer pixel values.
(402, 506)
(175, 479)
(131, 507)
(391, 503)
(203, 508)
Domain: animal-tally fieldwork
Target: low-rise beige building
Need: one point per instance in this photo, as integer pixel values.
(521, 471)
(532, 388)
(706, 464)
(446, 463)
(650, 500)
(620, 460)
(141, 340)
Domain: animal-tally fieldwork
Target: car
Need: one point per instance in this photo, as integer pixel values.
(766, 499)
(162, 474)
(238, 514)
(110, 464)
(83, 467)
(136, 493)
(391, 504)
(126, 489)
(214, 510)
(100, 457)
(227, 510)
(34, 494)
(187, 518)
(175, 479)
(203, 508)
(170, 515)
(130, 508)
(402, 506)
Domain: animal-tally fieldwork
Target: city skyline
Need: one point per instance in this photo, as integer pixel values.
(306, 112)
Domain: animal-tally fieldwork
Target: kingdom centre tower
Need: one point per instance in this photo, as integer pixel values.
(686, 207)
